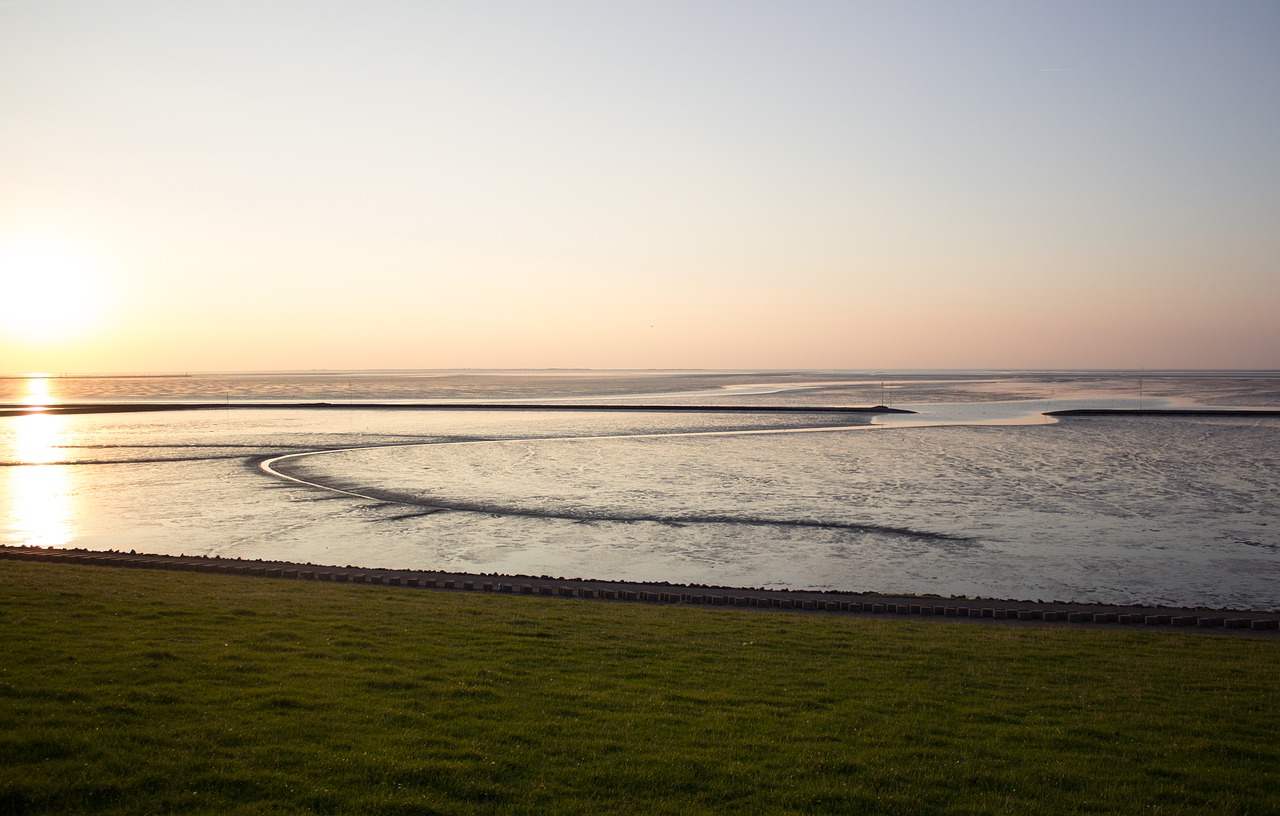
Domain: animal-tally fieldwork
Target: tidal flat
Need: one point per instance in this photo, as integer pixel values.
(977, 493)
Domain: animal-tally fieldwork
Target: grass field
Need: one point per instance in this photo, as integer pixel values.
(126, 691)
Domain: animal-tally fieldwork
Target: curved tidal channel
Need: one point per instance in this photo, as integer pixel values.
(279, 466)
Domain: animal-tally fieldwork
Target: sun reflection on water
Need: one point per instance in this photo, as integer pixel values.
(37, 391)
(37, 506)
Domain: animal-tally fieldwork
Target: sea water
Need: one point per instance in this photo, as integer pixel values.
(978, 494)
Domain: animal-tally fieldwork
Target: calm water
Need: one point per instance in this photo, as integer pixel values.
(978, 494)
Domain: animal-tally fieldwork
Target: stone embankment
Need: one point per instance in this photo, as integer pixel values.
(865, 604)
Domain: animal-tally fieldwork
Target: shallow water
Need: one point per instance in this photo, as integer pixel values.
(1182, 511)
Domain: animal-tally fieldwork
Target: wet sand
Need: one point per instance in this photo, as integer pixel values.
(972, 611)
(329, 403)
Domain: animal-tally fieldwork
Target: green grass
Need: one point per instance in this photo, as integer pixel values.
(145, 692)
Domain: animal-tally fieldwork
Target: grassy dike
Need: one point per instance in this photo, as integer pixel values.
(125, 691)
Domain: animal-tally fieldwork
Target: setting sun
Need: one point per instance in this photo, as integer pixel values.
(52, 291)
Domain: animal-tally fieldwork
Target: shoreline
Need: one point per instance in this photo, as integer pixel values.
(979, 611)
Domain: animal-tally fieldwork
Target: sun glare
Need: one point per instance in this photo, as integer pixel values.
(37, 395)
(51, 291)
(36, 495)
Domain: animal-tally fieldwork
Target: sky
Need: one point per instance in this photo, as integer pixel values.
(864, 184)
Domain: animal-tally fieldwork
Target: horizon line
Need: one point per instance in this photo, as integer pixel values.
(321, 372)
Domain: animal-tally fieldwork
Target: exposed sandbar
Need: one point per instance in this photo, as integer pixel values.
(1165, 412)
(132, 407)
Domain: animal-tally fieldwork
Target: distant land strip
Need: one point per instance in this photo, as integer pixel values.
(132, 407)
(958, 610)
(1181, 412)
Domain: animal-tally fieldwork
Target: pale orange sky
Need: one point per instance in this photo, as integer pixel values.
(391, 184)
